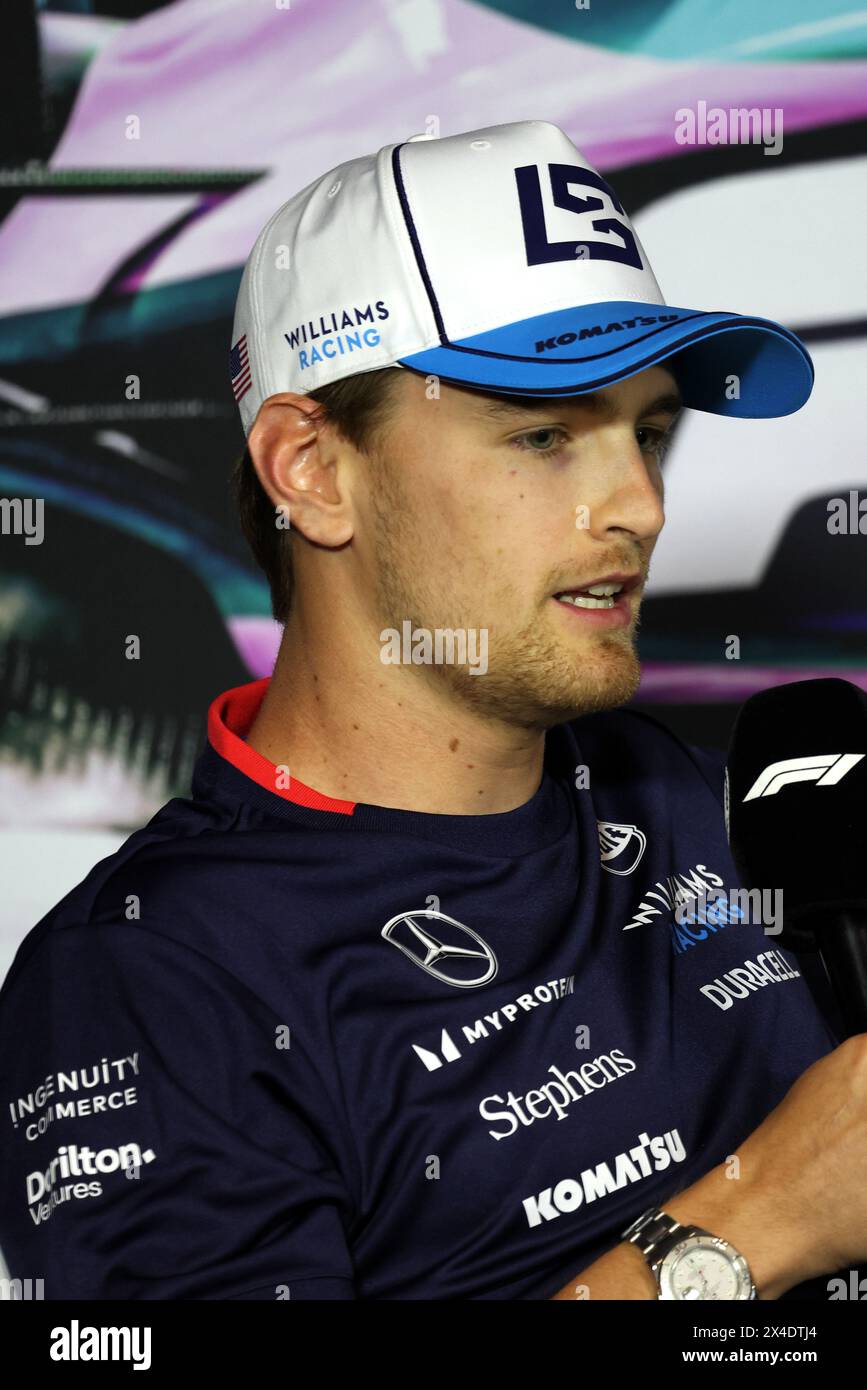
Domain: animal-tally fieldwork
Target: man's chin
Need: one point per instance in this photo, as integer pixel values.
(596, 702)
(609, 680)
(538, 685)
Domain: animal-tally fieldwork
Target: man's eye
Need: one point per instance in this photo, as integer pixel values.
(545, 440)
(658, 441)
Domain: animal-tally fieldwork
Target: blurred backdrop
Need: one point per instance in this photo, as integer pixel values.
(142, 147)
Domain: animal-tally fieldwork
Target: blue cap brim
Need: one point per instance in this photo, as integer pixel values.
(726, 363)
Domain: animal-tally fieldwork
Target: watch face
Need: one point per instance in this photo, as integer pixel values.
(704, 1267)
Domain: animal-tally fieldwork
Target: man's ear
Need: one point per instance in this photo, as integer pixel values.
(293, 452)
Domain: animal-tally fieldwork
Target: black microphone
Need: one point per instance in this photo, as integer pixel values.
(796, 819)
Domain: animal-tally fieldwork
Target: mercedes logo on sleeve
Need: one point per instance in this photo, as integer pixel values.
(442, 946)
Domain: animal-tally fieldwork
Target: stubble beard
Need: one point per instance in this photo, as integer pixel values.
(537, 676)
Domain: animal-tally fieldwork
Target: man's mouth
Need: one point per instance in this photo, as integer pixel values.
(604, 593)
(598, 596)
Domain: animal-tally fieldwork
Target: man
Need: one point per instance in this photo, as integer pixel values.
(405, 1001)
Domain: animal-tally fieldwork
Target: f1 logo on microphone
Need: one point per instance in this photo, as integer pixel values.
(825, 769)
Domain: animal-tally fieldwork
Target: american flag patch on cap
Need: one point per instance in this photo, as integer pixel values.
(239, 368)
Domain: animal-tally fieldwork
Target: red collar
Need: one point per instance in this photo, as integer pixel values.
(230, 717)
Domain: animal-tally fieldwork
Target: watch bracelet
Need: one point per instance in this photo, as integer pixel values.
(655, 1232)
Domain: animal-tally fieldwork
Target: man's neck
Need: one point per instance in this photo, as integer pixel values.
(387, 736)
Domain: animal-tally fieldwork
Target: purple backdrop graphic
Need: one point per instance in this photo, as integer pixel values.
(144, 148)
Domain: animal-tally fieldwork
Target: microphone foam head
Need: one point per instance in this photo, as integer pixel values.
(797, 797)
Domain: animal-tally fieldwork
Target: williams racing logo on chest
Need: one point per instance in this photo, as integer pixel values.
(696, 906)
(342, 332)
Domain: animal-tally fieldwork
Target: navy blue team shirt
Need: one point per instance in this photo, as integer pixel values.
(283, 1046)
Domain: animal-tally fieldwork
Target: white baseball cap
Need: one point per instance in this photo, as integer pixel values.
(498, 259)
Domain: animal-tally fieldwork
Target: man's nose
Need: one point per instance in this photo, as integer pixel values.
(630, 495)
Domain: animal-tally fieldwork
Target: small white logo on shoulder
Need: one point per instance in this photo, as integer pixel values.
(620, 846)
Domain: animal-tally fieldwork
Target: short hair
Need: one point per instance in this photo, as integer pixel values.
(358, 408)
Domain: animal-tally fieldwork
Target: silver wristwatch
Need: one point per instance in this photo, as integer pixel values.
(688, 1262)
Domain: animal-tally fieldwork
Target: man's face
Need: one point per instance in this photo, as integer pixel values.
(482, 508)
